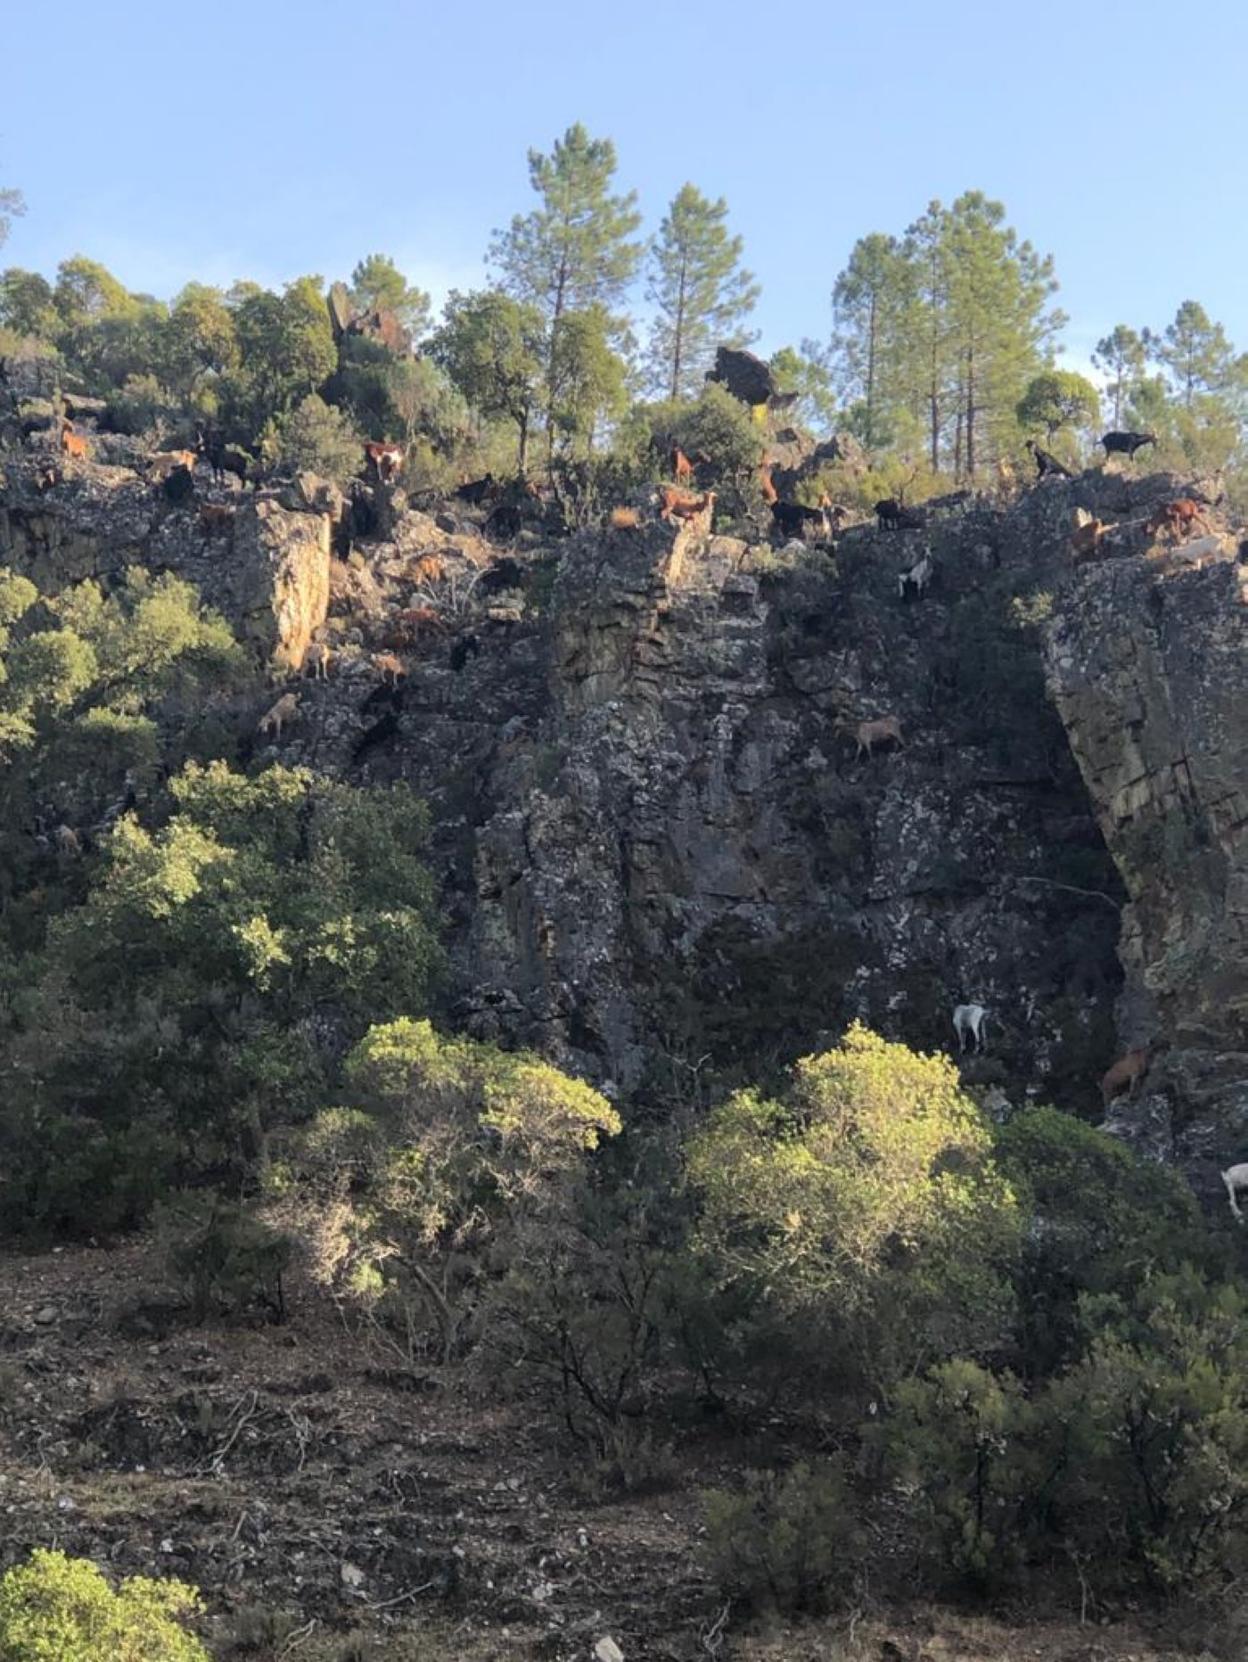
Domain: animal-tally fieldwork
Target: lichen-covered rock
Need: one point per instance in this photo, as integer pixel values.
(281, 564)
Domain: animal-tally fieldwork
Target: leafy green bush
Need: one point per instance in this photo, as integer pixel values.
(139, 406)
(316, 437)
(185, 996)
(59, 1609)
(867, 1199)
(1149, 1437)
(789, 1542)
(1103, 1220)
(420, 1200)
(955, 1442)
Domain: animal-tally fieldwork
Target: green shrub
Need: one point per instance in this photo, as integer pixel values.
(956, 1443)
(789, 1542)
(866, 1199)
(317, 437)
(1103, 1220)
(226, 1257)
(140, 405)
(60, 1609)
(465, 1153)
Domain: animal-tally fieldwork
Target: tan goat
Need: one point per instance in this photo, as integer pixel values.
(389, 667)
(871, 732)
(1123, 1079)
(317, 660)
(282, 712)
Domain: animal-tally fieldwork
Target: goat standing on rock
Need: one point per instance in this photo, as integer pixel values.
(1125, 1075)
(969, 1019)
(1125, 444)
(916, 579)
(870, 732)
(1235, 1178)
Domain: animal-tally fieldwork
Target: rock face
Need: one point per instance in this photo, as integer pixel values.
(1147, 663)
(658, 849)
(282, 593)
(745, 375)
(269, 573)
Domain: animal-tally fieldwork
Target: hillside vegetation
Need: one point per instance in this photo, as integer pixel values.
(363, 1301)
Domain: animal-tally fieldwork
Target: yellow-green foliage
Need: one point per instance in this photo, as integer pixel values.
(462, 1145)
(872, 1183)
(92, 676)
(59, 1609)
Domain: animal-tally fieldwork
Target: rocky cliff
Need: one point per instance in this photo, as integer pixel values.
(663, 859)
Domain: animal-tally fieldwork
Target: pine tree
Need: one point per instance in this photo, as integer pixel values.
(868, 304)
(574, 253)
(377, 283)
(1194, 351)
(998, 288)
(1120, 356)
(925, 326)
(699, 290)
(492, 348)
(11, 205)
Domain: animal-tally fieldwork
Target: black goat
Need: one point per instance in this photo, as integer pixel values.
(224, 458)
(478, 490)
(888, 511)
(504, 573)
(791, 519)
(462, 650)
(1125, 444)
(381, 732)
(1047, 462)
(178, 487)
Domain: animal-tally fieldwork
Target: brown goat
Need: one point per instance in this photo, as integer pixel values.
(164, 462)
(1177, 517)
(387, 459)
(682, 467)
(427, 568)
(767, 485)
(674, 504)
(1123, 1079)
(625, 519)
(390, 668)
(73, 444)
(216, 517)
(1086, 539)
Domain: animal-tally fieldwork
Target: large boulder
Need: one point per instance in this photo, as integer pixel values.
(282, 578)
(745, 375)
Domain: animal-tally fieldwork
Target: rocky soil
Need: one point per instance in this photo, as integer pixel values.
(321, 1490)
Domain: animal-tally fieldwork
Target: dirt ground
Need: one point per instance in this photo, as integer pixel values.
(333, 1504)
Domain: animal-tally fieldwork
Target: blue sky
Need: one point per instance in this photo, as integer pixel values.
(268, 139)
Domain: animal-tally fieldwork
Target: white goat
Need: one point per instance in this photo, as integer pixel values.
(1235, 1178)
(969, 1018)
(918, 577)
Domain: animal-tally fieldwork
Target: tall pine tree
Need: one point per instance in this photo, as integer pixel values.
(868, 304)
(573, 253)
(1120, 356)
(699, 291)
(998, 288)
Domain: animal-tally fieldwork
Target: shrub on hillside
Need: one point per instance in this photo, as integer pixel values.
(789, 1542)
(59, 1609)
